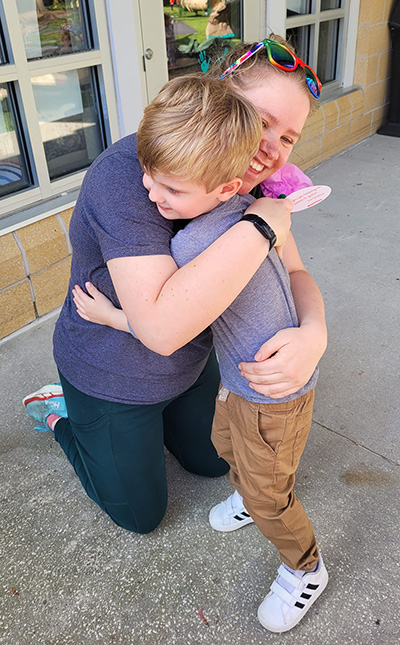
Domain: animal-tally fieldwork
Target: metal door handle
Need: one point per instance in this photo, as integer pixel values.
(148, 53)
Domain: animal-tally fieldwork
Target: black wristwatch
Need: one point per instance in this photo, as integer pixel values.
(261, 226)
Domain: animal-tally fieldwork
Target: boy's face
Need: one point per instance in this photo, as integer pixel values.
(178, 198)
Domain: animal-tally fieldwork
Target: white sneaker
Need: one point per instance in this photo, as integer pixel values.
(230, 514)
(281, 610)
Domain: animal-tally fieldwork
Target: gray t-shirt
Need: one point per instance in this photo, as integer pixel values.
(114, 218)
(264, 307)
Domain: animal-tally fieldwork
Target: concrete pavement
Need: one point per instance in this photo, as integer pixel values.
(70, 577)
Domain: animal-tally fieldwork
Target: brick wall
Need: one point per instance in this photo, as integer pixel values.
(34, 271)
(35, 260)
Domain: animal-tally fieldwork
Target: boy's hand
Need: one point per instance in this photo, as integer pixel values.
(96, 307)
(276, 212)
(286, 362)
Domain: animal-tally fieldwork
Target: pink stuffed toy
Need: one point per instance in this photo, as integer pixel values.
(285, 181)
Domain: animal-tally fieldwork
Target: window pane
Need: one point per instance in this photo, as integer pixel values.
(298, 7)
(52, 27)
(68, 116)
(299, 37)
(199, 31)
(3, 50)
(330, 4)
(13, 169)
(328, 50)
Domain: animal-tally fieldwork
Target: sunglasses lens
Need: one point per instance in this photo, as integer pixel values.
(281, 55)
(312, 83)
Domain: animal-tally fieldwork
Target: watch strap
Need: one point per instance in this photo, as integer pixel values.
(262, 227)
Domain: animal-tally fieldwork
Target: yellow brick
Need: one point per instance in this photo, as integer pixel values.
(44, 243)
(16, 308)
(371, 12)
(379, 39)
(316, 124)
(384, 67)
(307, 154)
(375, 96)
(379, 117)
(344, 106)
(372, 70)
(11, 265)
(357, 104)
(331, 114)
(364, 12)
(66, 217)
(387, 10)
(334, 141)
(363, 37)
(361, 70)
(50, 286)
(359, 129)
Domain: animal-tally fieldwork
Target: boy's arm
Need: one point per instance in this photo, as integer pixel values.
(97, 308)
(286, 362)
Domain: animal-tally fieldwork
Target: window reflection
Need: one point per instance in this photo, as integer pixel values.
(52, 27)
(198, 31)
(69, 123)
(330, 4)
(328, 50)
(300, 38)
(298, 7)
(13, 169)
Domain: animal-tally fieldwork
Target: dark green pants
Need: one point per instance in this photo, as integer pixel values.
(117, 450)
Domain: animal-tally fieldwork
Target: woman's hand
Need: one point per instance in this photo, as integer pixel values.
(276, 212)
(286, 361)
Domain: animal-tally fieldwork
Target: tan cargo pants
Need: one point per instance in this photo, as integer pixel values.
(263, 444)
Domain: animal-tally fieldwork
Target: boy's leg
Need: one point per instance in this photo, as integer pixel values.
(187, 425)
(118, 454)
(268, 441)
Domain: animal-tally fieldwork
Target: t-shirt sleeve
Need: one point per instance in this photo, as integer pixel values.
(118, 211)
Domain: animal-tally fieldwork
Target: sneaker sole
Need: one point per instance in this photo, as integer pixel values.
(286, 628)
(39, 394)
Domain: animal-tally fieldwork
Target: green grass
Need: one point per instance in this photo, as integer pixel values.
(198, 22)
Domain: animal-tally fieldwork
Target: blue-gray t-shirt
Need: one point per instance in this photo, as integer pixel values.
(264, 307)
(114, 218)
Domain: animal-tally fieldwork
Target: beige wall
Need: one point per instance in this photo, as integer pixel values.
(35, 260)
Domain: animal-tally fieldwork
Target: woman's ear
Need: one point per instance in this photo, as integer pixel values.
(229, 189)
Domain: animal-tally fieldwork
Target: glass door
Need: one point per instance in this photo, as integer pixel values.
(185, 36)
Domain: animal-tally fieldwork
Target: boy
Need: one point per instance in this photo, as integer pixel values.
(262, 439)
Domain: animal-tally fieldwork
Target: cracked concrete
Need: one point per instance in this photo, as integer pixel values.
(70, 577)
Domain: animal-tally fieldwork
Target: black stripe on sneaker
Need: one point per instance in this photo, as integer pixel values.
(307, 596)
(239, 518)
(310, 586)
(245, 514)
(299, 605)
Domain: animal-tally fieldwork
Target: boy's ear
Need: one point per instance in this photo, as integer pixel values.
(229, 189)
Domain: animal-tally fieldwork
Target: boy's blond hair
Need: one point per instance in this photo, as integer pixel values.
(199, 129)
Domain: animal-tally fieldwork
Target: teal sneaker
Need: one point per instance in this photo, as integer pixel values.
(48, 400)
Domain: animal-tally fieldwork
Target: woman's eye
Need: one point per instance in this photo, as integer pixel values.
(264, 124)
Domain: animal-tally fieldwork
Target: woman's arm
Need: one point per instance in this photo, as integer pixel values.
(168, 307)
(286, 362)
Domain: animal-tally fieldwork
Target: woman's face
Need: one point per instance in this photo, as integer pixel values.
(283, 106)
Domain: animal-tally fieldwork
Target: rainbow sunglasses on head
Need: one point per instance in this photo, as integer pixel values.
(280, 56)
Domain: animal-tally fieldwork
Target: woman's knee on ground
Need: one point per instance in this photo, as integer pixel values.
(139, 522)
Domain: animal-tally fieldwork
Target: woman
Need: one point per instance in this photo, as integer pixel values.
(126, 398)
